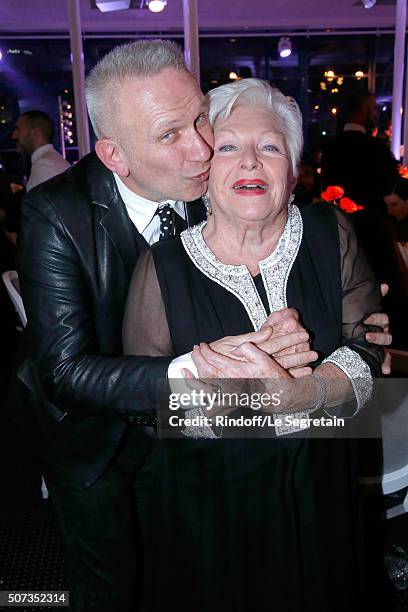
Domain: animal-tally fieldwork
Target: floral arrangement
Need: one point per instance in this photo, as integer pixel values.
(403, 171)
(335, 195)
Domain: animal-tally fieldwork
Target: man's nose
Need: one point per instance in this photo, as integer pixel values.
(201, 150)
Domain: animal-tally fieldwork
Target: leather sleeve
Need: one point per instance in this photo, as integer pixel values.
(60, 311)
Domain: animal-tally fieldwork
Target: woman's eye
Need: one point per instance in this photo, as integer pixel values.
(226, 148)
(271, 147)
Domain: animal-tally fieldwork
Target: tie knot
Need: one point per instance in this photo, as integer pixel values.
(166, 216)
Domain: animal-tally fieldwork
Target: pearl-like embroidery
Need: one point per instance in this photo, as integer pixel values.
(357, 371)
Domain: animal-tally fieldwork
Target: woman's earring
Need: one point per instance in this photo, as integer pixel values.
(291, 198)
(207, 204)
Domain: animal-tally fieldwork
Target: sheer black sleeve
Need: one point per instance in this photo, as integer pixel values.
(359, 360)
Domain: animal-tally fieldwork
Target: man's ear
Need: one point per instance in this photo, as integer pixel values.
(112, 156)
(37, 135)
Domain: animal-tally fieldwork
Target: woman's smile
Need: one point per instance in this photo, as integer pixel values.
(250, 187)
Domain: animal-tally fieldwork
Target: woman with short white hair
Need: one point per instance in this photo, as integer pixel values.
(262, 524)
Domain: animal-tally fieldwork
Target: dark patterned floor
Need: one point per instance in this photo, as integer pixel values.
(31, 550)
(396, 559)
(31, 553)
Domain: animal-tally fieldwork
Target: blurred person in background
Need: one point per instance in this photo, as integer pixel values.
(397, 306)
(33, 135)
(355, 160)
(307, 188)
(365, 168)
(397, 207)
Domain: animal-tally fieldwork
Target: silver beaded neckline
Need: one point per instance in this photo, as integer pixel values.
(275, 269)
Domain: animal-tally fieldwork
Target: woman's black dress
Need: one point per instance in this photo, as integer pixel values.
(256, 524)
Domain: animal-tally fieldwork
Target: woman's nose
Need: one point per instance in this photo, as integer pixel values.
(250, 161)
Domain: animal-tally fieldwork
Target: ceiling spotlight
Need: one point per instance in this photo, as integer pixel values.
(106, 6)
(284, 46)
(233, 76)
(368, 3)
(157, 6)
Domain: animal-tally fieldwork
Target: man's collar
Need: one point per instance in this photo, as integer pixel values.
(102, 188)
(40, 151)
(99, 182)
(143, 210)
(354, 127)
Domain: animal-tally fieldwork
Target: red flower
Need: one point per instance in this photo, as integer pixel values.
(349, 206)
(403, 171)
(334, 192)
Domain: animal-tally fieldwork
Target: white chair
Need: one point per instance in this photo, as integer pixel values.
(393, 478)
(12, 284)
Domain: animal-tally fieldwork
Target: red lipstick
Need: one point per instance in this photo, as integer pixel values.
(249, 187)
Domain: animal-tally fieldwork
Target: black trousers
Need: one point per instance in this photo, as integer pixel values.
(105, 529)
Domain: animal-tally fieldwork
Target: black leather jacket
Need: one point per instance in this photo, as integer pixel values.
(76, 257)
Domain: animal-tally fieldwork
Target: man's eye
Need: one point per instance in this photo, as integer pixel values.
(202, 119)
(168, 137)
(226, 148)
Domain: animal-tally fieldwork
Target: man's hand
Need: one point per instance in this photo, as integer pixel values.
(15, 187)
(257, 364)
(383, 338)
